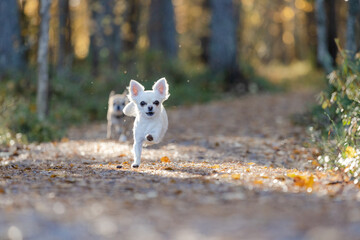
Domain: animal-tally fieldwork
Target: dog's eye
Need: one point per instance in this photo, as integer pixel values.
(156, 103)
(142, 103)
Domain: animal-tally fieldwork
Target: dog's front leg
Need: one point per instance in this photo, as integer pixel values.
(137, 148)
(153, 137)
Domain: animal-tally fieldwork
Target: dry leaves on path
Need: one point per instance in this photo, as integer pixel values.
(226, 170)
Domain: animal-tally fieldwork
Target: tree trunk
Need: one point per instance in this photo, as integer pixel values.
(133, 18)
(330, 6)
(65, 46)
(223, 43)
(95, 37)
(161, 27)
(205, 39)
(111, 33)
(323, 55)
(353, 11)
(42, 100)
(10, 40)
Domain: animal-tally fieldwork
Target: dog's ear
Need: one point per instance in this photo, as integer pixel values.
(112, 93)
(161, 86)
(135, 88)
(125, 92)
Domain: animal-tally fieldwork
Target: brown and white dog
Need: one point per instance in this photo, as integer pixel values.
(116, 119)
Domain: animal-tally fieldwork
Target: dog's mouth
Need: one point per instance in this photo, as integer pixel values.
(150, 113)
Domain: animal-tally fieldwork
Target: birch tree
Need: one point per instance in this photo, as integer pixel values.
(42, 101)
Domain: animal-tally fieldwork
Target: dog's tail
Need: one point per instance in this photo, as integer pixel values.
(130, 109)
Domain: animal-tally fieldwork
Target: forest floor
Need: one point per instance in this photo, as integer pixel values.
(232, 169)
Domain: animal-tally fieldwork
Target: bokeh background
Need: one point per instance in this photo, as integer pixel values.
(207, 49)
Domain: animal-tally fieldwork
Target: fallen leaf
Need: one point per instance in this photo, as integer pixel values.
(64, 139)
(251, 163)
(215, 166)
(165, 159)
(168, 169)
(235, 176)
(53, 175)
(302, 180)
(122, 155)
(258, 182)
(2, 190)
(315, 163)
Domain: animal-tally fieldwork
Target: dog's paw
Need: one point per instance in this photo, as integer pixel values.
(149, 137)
(135, 165)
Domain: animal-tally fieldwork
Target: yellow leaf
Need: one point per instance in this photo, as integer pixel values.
(248, 170)
(64, 139)
(165, 159)
(315, 163)
(258, 182)
(302, 180)
(309, 182)
(292, 175)
(53, 175)
(122, 155)
(235, 176)
(216, 166)
(251, 163)
(350, 152)
(126, 163)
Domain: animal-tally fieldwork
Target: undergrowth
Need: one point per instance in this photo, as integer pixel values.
(337, 119)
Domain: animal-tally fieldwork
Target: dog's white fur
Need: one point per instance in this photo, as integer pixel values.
(116, 117)
(151, 121)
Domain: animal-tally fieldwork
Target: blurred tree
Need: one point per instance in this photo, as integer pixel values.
(223, 43)
(161, 27)
(95, 37)
(132, 19)
(331, 27)
(42, 101)
(205, 38)
(353, 12)
(64, 47)
(105, 39)
(323, 55)
(111, 33)
(10, 41)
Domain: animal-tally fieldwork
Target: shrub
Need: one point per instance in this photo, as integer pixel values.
(340, 123)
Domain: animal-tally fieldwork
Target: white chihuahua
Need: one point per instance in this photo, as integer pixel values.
(151, 120)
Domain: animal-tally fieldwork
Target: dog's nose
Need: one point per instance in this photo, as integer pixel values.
(150, 108)
(118, 108)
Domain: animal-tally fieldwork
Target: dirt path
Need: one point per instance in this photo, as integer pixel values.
(236, 169)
